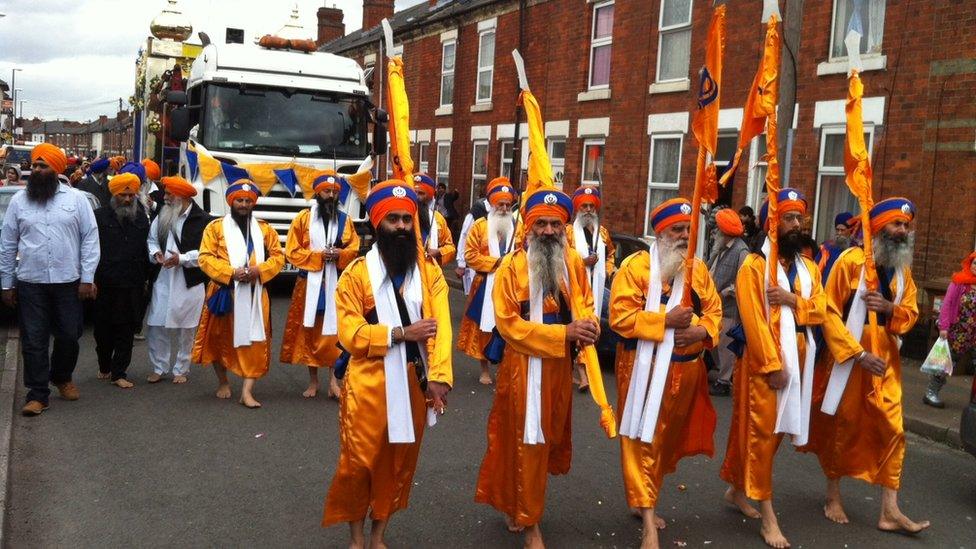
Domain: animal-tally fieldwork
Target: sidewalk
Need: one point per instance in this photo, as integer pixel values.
(933, 423)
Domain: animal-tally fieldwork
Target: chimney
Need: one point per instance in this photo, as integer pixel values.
(375, 11)
(331, 26)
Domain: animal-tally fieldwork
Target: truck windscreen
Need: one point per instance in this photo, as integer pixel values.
(285, 122)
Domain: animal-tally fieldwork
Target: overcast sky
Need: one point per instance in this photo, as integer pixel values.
(78, 56)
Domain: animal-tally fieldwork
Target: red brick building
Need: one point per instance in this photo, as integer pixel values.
(615, 79)
(105, 136)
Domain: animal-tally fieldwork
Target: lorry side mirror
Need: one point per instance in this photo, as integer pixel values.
(380, 132)
(179, 124)
(176, 98)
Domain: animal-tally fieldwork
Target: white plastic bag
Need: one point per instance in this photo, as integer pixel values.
(939, 359)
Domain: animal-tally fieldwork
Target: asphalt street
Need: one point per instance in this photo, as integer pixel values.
(166, 465)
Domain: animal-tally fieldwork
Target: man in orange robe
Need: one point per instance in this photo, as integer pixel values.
(489, 240)
(592, 241)
(659, 363)
(321, 242)
(240, 254)
(857, 428)
(434, 232)
(542, 318)
(395, 323)
(773, 379)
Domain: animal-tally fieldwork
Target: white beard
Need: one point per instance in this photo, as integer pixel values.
(721, 241)
(588, 220)
(167, 218)
(671, 256)
(889, 253)
(547, 263)
(500, 225)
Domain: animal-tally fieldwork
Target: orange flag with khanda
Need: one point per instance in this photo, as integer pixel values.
(399, 109)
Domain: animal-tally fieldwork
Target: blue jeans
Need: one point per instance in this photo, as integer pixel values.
(47, 310)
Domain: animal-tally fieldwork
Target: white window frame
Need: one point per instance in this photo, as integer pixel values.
(489, 69)
(651, 184)
(833, 170)
(602, 141)
(560, 165)
(504, 171)
(441, 145)
(599, 42)
(673, 29)
(756, 184)
(423, 156)
(445, 72)
(475, 176)
(833, 25)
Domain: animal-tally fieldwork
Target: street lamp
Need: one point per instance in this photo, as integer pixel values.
(13, 84)
(15, 100)
(22, 101)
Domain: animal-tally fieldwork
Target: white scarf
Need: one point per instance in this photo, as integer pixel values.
(855, 325)
(432, 236)
(248, 305)
(399, 419)
(643, 405)
(487, 323)
(793, 401)
(320, 238)
(598, 272)
(533, 384)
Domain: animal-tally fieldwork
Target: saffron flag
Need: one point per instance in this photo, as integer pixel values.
(399, 109)
(705, 124)
(540, 170)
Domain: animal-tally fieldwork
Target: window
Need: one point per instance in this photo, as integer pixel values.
(665, 170)
(872, 14)
(444, 163)
(757, 173)
(389, 162)
(727, 143)
(833, 196)
(674, 47)
(448, 50)
(423, 152)
(479, 169)
(593, 151)
(557, 157)
(486, 65)
(601, 39)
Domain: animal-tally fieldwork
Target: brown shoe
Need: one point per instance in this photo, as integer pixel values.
(33, 408)
(68, 391)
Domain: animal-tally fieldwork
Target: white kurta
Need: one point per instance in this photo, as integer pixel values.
(173, 305)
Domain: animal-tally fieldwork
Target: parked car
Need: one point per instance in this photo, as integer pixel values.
(626, 245)
(967, 428)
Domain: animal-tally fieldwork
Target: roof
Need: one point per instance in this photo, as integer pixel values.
(414, 17)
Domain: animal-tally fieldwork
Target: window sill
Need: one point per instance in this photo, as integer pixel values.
(481, 107)
(670, 87)
(445, 110)
(593, 95)
(839, 66)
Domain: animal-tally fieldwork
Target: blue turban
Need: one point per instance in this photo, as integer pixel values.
(135, 168)
(98, 166)
(843, 218)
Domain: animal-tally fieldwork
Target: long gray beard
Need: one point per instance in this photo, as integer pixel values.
(589, 220)
(721, 241)
(165, 220)
(842, 242)
(500, 225)
(125, 213)
(547, 262)
(671, 257)
(890, 253)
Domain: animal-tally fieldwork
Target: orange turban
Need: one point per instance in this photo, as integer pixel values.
(51, 154)
(177, 186)
(547, 202)
(499, 188)
(889, 210)
(390, 196)
(124, 182)
(241, 188)
(669, 212)
(152, 169)
(328, 179)
(729, 222)
(116, 162)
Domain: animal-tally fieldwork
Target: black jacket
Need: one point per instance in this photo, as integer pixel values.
(124, 247)
(99, 190)
(190, 237)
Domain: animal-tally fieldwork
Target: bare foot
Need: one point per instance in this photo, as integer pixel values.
(485, 379)
(223, 390)
(649, 540)
(512, 527)
(123, 383)
(533, 537)
(660, 523)
(334, 389)
(311, 391)
(897, 522)
(249, 402)
(179, 379)
(772, 535)
(740, 500)
(104, 376)
(635, 512)
(834, 510)
(154, 378)
(376, 543)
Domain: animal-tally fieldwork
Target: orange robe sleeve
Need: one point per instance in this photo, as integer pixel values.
(750, 287)
(353, 295)
(905, 314)
(527, 338)
(841, 285)
(476, 255)
(274, 259)
(439, 348)
(611, 251)
(812, 311)
(350, 247)
(298, 246)
(711, 304)
(213, 255)
(445, 242)
(627, 298)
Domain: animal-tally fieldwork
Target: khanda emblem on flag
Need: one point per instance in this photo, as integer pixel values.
(707, 88)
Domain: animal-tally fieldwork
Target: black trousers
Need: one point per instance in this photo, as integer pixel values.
(118, 314)
(47, 310)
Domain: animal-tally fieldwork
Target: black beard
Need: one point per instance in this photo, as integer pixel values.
(41, 188)
(790, 244)
(423, 214)
(398, 249)
(327, 208)
(243, 221)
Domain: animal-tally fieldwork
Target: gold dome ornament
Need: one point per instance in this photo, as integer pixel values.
(171, 23)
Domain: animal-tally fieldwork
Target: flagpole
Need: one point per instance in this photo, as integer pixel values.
(771, 62)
